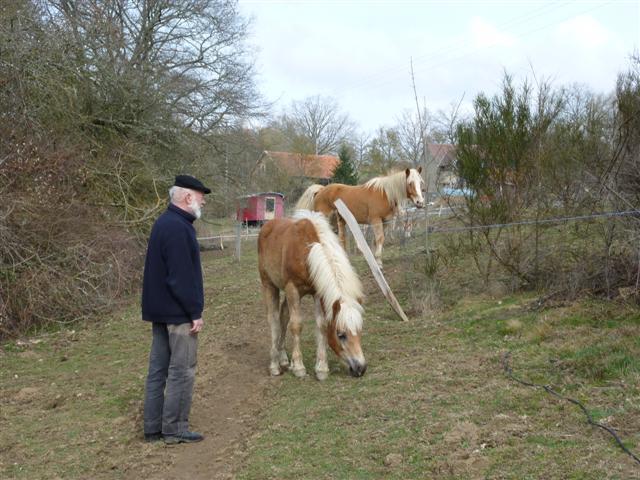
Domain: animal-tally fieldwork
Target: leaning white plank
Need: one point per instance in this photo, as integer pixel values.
(368, 255)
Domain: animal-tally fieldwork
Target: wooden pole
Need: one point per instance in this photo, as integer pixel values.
(238, 242)
(423, 137)
(368, 255)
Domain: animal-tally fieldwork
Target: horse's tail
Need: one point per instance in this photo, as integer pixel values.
(306, 200)
(333, 277)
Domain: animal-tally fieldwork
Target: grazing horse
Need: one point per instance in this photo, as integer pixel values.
(302, 256)
(374, 202)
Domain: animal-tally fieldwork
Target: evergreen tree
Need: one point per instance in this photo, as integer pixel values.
(345, 172)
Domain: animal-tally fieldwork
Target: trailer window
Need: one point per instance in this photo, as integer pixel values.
(270, 204)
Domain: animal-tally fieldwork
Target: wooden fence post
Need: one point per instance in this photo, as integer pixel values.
(368, 255)
(238, 242)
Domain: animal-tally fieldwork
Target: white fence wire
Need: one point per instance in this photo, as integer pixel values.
(409, 224)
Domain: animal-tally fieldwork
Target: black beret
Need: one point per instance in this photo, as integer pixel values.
(187, 181)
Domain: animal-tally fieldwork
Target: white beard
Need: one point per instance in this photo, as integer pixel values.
(195, 208)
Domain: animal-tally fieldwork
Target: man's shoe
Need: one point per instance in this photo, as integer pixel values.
(152, 437)
(184, 437)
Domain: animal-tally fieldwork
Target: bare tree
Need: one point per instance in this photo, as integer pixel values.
(626, 167)
(145, 61)
(384, 152)
(361, 144)
(446, 122)
(103, 101)
(410, 136)
(316, 125)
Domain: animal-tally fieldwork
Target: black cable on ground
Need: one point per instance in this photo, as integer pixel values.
(548, 389)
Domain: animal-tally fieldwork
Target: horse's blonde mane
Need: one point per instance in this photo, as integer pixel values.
(332, 274)
(394, 185)
(306, 200)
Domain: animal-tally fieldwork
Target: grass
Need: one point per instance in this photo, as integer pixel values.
(435, 396)
(71, 399)
(66, 392)
(435, 402)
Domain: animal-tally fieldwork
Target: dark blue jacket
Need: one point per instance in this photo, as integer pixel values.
(172, 289)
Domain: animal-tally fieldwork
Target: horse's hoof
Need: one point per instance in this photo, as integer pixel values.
(322, 375)
(300, 372)
(284, 360)
(275, 371)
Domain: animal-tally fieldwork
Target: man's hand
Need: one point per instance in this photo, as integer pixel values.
(196, 326)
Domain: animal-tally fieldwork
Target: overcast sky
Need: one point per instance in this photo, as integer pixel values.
(359, 52)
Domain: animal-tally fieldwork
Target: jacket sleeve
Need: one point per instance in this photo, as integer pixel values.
(182, 275)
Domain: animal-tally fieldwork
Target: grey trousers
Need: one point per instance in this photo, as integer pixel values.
(169, 386)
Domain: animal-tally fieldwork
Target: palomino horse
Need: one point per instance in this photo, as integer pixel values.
(302, 256)
(374, 202)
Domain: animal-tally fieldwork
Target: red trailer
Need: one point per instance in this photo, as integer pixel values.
(257, 208)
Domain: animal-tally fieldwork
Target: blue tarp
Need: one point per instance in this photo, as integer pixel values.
(456, 192)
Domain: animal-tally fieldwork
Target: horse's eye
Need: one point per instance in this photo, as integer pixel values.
(342, 336)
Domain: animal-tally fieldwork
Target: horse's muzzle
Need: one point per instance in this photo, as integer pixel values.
(357, 369)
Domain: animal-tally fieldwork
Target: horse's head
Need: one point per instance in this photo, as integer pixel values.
(414, 186)
(343, 335)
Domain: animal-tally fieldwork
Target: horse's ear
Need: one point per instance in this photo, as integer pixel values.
(407, 172)
(420, 169)
(336, 308)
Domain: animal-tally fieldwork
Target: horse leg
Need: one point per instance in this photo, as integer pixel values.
(271, 296)
(341, 231)
(295, 326)
(284, 322)
(322, 367)
(378, 230)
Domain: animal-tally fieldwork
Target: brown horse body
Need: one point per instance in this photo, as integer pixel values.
(302, 256)
(373, 203)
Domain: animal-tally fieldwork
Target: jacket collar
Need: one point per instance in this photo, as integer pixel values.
(187, 215)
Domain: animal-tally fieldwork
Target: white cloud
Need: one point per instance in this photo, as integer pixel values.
(484, 35)
(584, 31)
(360, 54)
(580, 50)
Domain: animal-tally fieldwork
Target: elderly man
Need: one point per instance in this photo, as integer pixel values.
(173, 300)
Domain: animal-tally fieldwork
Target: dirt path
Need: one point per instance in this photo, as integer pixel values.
(232, 386)
(232, 382)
